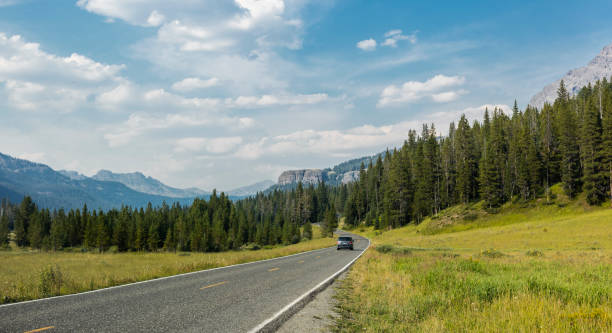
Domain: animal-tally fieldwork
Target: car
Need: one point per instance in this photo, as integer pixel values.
(345, 242)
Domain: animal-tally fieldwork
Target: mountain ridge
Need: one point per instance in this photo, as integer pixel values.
(54, 190)
(139, 182)
(598, 68)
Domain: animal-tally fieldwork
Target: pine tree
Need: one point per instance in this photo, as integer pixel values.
(570, 155)
(4, 230)
(399, 193)
(35, 231)
(466, 166)
(607, 134)
(595, 184)
(331, 222)
(22, 221)
(153, 238)
(494, 193)
(307, 233)
(120, 235)
(169, 244)
(102, 234)
(550, 150)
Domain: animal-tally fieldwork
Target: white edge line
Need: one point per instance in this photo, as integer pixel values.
(158, 279)
(306, 294)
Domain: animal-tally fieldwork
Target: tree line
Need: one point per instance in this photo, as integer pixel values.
(504, 157)
(206, 226)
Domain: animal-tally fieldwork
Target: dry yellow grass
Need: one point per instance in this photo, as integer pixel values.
(26, 275)
(538, 269)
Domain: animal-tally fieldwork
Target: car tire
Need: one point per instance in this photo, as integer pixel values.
(338, 249)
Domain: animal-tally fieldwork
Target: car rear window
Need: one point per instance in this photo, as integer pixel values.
(345, 239)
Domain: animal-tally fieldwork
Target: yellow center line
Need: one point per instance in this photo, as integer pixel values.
(301, 262)
(40, 329)
(213, 285)
(273, 269)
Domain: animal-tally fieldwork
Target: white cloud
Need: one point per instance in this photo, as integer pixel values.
(140, 123)
(393, 36)
(362, 138)
(155, 19)
(448, 96)
(219, 145)
(413, 91)
(39, 81)
(272, 100)
(367, 44)
(194, 83)
(257, 10)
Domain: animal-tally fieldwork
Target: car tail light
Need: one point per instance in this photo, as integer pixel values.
(339, 242)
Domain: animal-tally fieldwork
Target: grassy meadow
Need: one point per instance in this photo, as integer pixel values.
(26, 275)
(536, 267)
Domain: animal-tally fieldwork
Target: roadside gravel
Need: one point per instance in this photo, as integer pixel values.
(316, 316)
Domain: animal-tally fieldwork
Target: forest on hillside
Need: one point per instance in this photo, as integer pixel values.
(504, 157)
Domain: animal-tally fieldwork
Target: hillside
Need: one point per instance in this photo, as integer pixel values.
(250, 189)
(533, 266)
(141, 183)
(51, 189)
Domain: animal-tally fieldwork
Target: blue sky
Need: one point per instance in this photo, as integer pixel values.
(223, 94)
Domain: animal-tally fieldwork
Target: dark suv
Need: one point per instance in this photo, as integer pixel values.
(345, 243)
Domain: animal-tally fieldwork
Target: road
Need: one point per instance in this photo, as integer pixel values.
(228, 299)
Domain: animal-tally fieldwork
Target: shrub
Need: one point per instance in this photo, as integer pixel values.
(535, 253)
(491, 253)
(386, 248)
(50, 282)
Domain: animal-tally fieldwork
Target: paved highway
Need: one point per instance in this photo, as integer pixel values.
(229, 299)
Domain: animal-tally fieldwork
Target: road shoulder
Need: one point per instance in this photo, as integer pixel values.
(316, 316)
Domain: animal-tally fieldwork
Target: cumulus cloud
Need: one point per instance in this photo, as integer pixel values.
(362, 138)
(38, 81)
(367, 44)
(393, 36)
(194, 83)
(234, 41)
(155, 19)
(140, 123)
(218, 145)
(413, 91)
(272, 100)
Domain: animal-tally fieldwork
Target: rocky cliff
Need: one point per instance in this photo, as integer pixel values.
(315, 176)
(598, 68)
(308, 176)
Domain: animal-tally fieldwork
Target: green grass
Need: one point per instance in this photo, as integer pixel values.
(530, 268)
(26, 275)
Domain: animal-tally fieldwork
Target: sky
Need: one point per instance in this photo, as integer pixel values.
(222, 94)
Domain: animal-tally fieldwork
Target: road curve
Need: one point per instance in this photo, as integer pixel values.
(229, 299)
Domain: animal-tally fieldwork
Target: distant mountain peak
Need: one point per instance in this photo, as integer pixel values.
(146, 184)
(598, 68)
(252, 189)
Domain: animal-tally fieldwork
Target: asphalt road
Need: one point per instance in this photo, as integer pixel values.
(230, 299)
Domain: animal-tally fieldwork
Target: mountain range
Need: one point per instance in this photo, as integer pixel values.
(104, 190)
(52, 189)
(598, 68)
